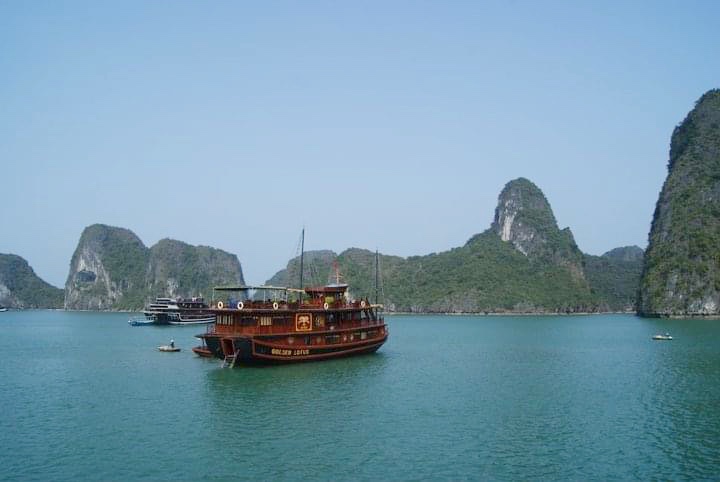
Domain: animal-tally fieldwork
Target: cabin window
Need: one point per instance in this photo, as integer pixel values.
(265, 321)
(319, 321)
(363, 335)
(332, 338)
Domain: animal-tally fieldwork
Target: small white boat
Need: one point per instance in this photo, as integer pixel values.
(666, 336)
(168, 348)
(2, 309)
(140, 320)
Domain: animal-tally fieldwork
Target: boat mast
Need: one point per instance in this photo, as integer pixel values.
(377, 274)
(302, 256)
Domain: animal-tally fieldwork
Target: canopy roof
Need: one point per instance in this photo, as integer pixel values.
(249, 288)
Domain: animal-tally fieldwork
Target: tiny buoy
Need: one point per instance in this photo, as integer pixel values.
(326, 306)
(220, 305)
(275, 306)
(240, 305)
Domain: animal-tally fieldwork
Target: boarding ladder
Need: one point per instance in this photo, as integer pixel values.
(229, 361)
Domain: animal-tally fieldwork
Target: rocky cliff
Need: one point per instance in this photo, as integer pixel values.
(179, 269)
(524, 218)
(681, 276)
(21, 288)
(112, 269)
(523, 264)
(107, 270)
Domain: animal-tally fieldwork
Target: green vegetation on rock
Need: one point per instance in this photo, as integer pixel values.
(179, 269)
(523, 264)
(614, 277)
(681, 276)
(20, 287)
(112, 269)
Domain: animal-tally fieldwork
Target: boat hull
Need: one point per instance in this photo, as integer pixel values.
(179, 318)
(253, 350)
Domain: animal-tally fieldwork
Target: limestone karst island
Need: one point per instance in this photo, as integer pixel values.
(523, 263)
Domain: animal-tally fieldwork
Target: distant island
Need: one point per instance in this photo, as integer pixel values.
(112, 269)
(524, 263)
(21, 288)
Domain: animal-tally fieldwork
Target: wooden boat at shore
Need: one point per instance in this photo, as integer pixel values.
(293, 325)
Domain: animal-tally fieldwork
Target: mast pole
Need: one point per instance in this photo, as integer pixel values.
(302, 256)
(377, 275)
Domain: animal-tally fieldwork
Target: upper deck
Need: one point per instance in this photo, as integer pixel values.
(289, 310)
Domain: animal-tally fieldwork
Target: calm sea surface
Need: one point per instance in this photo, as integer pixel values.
(84, 396)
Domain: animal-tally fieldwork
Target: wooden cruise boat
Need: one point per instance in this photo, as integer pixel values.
(291, 325)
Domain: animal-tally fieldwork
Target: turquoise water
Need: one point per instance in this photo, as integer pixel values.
(86, 397)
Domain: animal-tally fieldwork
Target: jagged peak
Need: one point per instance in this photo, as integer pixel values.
(702, 120)
(523, 215)
(101, 232)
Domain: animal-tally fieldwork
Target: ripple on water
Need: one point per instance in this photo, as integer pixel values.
(457, 398)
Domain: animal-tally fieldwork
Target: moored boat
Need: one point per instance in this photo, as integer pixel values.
(140, 321)
(2, 308)
(292, 325)
(180, 311)
(666, 336)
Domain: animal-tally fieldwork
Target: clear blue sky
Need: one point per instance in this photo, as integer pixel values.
(389, 125)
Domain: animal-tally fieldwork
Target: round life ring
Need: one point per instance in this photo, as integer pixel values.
(240, 305)
(362, 304)
(326, 306)
(275, 306)
(220, 305)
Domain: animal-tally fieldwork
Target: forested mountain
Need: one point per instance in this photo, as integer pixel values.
(112, 269)
(682, 264)
(523, 263)
(20, 287)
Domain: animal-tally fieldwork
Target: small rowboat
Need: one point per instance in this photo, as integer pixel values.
(168, 348)
(666, 336)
